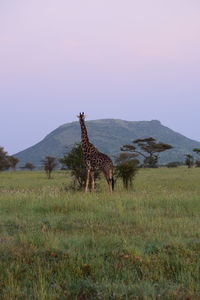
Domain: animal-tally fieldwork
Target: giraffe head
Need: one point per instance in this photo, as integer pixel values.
(81, 116)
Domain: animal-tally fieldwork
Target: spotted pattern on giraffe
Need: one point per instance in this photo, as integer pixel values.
(93, 158)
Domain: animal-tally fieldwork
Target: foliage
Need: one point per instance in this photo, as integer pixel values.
(75, 163)
(149, 149)
(126, 156)
(49, 164)
(197, 162)
(151, 161)
(189, 160)
(13, 161)
(196, 150)
(173, 164)
(126, 168)
(4, 161)
(28, 166)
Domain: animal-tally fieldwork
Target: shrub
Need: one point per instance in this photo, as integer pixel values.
(49, 164)
(173, 164)
(126, 169)
(74, 161)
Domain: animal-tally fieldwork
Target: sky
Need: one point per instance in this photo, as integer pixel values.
(133, 59)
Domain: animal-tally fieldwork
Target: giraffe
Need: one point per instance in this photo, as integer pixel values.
(94, 159)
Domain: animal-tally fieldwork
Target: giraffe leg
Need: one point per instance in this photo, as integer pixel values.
(109, 178)
(110, 181)
(87, 181)
(92, 177)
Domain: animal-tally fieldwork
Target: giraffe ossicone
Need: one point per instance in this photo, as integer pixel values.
(94, 159)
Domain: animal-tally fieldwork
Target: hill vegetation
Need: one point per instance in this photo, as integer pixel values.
(108, 136)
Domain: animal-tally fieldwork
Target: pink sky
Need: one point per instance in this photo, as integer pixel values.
(135, 60)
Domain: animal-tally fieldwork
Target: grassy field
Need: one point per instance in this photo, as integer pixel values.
(141, 244)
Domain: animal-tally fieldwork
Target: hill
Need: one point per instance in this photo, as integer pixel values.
(108, 135)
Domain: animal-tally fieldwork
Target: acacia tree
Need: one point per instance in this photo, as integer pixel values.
(149, 149)
(28, 166)
(49, 164)
(189, 160)
(13, 161)
(4, 161)
(197, 151)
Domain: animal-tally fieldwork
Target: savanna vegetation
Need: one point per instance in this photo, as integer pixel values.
(143, 243)
(149, 149)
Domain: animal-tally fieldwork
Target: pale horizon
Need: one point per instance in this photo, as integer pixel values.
(125, 60)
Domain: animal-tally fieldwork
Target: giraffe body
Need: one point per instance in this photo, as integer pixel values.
(94, 159)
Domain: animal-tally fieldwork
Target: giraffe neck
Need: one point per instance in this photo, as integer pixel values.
(84, 136)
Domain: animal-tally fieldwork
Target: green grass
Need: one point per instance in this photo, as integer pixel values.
(140, 244)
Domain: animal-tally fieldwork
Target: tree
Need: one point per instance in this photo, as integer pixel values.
(28, 166)
(197, 151)
(197, 163)
(126, 168)
(189, 160)
(13, 161)
(126, 156)
(49, 164)
(149, 149)
(173, 164)
(4, 161)
(74, 162)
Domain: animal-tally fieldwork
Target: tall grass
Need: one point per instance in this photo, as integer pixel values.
(140, 244)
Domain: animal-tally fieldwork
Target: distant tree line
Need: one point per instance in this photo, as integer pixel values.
(142, 153)
(10, 162)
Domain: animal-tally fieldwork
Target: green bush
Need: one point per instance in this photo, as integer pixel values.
(173, 164)
(74, 161)
(127, 170)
